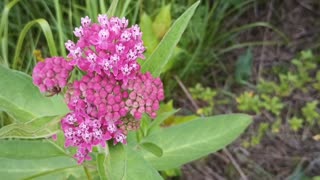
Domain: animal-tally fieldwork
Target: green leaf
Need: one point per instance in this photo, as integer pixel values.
(28, 149)
(153, 148)
(23, 101)
(162, 21)
(32, 159)
(244, 66)
(127, 164)
(175, 120)
(200, 137)
(296, 123)
(160, 118)
(42, 127)
(144, 124)
(307, 54)
(310, 113)
(160, 57)
(150, 40)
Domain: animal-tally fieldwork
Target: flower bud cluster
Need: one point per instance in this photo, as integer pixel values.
(52, 74)
(145, 92)
(97, 96)
(110, 99)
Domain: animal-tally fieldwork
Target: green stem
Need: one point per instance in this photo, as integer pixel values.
(103, 150)
(86, 170)
(101, 161)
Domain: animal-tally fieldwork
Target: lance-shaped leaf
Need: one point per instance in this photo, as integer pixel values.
(23, 101)
(194, 139)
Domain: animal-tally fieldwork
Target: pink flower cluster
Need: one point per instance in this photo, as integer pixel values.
(52, 74)
(107, 47)
(110, 99)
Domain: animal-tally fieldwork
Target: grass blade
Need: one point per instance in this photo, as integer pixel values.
(45, 27)
(248, 44)
(113, 8)
(4, 31)
(59, 27)
(102, 5)
(250, 26)
(125, 7)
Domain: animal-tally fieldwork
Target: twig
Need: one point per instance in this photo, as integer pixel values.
(225, 150)
(307, 8)
(267, 115)
(222, 157)
(214, 174)
(194, 104)
(235, 164)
